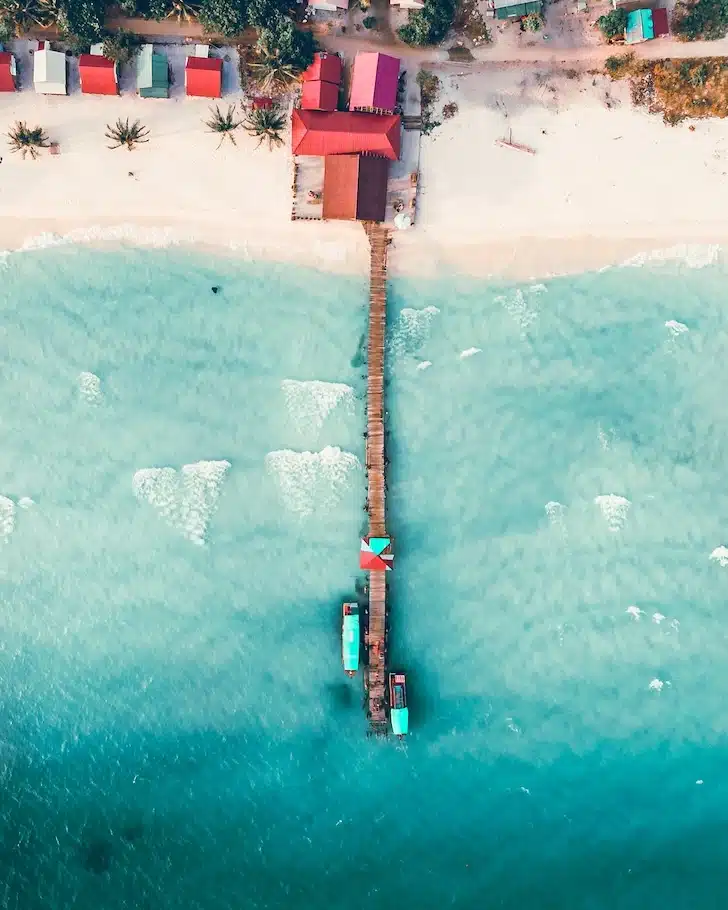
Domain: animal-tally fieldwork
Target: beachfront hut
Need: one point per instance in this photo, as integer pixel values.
(98, 74)
(8, 72)
(203, 74)
(345, 133)
(355, 187)
(507, 9)
(321, 83)
(49, 71)
(152, 74)
(374, 82)
(330, 6)
(639, 26)
(407, 4)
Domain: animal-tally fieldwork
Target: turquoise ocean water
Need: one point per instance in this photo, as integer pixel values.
(182, 498)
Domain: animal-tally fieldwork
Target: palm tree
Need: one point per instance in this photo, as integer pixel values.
(183, 11)
(223, 124)
(266, 123)
(22, 15)
(124, 134)
(272, 74)
(23, 139)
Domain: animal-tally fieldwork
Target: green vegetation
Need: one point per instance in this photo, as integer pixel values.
(613, 25)
(280, 56)
(677, 89)
(449, 110)
(121, 46)
(369, 22)
(470, 22)
(429, 93)
(430, 24)
(532, 22)
(267, 124)
(27, 140)
(124, 134)
(222, 17)
(223, 124)
(700, 20)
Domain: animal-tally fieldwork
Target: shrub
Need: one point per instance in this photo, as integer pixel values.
(532, 22)
(449, 111)
(613, 25)
(430, 24)
(704, 19)
(82, 20)
(222, 17)
(619, 66)
(121, 46)
(369, 22)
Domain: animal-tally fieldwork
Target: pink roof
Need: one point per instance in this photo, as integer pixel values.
(98, 75)
(203, 77)
(7, 82)
(374, 81)
(326, 67)
(344, 133)
(319, 96)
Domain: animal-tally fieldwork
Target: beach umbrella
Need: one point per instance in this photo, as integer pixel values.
(375, 554)
(402, 221)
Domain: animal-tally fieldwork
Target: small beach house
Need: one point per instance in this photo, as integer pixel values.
(374, 82)
(507, 9)
(639, 26)
(203, 74)
(8, 72)
(49, 71)
(321, 83)
(99, 75)
(345, 133)
(152, 74)
(407, 4)
(355, 187)
(330, 6)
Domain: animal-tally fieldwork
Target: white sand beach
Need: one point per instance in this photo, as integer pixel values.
(604, 184)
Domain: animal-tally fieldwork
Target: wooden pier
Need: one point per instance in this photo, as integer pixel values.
(375, 677)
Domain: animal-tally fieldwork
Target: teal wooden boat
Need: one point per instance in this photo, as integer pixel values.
(350, 638)
(398, 711)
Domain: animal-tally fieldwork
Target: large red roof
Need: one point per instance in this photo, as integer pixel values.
(203, 77)
(355, 187)
(325, 67)
(7, 82)
(98, 75)
(374, 81)
(319, 96)
(344, 133)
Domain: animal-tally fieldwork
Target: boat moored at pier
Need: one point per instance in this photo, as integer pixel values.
(398, 711)
(350, 638)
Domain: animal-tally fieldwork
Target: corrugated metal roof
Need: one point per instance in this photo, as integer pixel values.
(506, 9)
(7, 72)
(152, 74)
(639, 26)
(319, 96)
(98, 75)
(659, 22)
(374, 81)
(49, 72)
(345, 133)
(355, 187)
(325, 67)
(203, 77)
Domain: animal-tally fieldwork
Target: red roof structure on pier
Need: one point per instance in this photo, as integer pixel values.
(355, 187)
(345, 133)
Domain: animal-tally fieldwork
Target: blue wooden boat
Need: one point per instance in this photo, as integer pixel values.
(350, 638)
(398, 711)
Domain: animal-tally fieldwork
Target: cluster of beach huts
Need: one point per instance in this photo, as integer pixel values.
(100, 76)
(357, 144)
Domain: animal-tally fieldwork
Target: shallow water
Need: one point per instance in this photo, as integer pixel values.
(177, 728)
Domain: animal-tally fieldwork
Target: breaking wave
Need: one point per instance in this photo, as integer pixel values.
(186, 499)
(309, 481)
(310, 402)
(412, 329)
(521, 306)
(720, 555)
(692, 255)
(469, 352)
(676, 328)
(7, 517)
(556, 514)
(89, 385)
(614, 509)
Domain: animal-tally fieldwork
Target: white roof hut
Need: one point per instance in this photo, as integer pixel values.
(49, 71)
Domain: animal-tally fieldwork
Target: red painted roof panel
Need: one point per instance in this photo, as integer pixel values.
(345, 133)
(203, 77)
(98, 75)
(325, 67)
(319, 96)
(7, 82)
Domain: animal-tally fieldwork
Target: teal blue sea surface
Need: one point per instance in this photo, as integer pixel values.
(181, 498)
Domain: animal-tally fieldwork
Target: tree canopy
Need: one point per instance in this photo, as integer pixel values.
(430, 24)
(704, 19)
(223, 17)
(613, 24)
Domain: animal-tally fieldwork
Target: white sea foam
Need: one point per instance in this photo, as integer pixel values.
(720, 555)
(412, 329)
(656, 685)
(614, 509)
(25, 502)
(424, 365)
(657, 618)
(676, 328)
(693, 255)
(89, 386)
(7, 517)
(309, 481)
(310, 402)
(119, 233)
(521, 306)
(634, 612)
(537, 288)
(555, 512)
(605, 437)
(469, 352)
(186, 499)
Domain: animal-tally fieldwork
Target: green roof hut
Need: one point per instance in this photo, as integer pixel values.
(152, 74)
(639, 26)
(508, 9)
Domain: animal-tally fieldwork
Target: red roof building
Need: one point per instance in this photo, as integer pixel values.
(345, 133)
(319, 96)
(659, 22)
(374, 82)
(325, 68)
(355, 187)
(8, 72)
(203, 77)
(98, 75)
